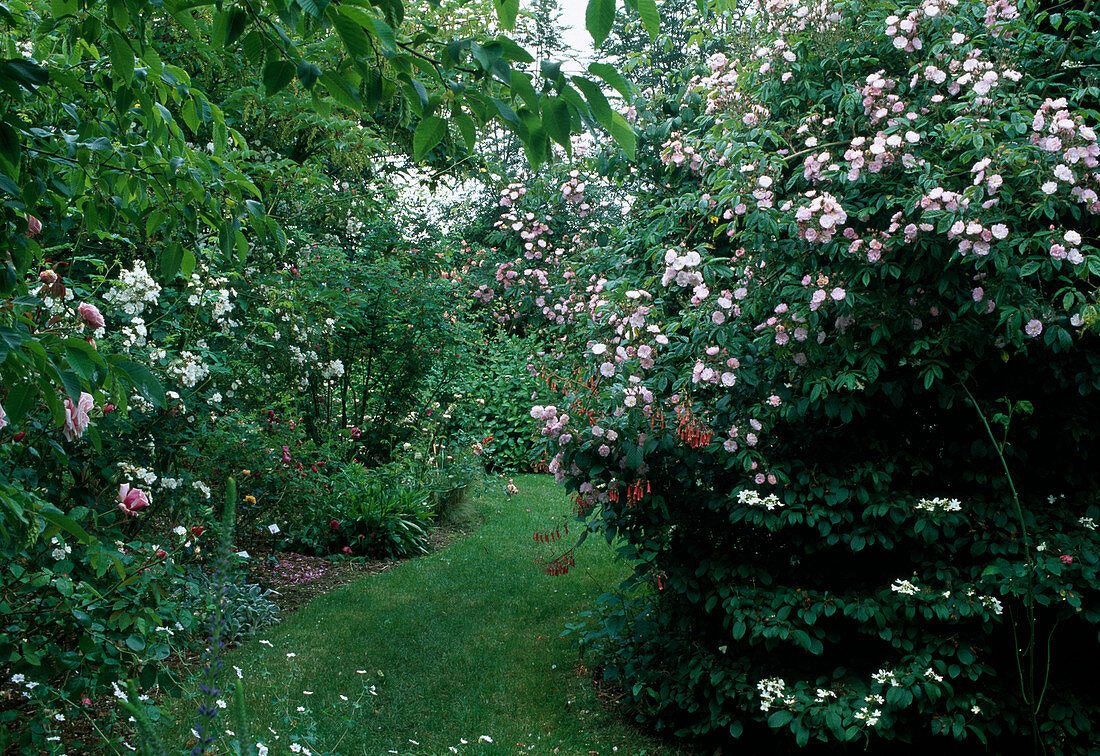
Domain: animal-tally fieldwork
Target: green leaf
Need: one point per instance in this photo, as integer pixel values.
(506, 12)
(65, 523)
(277, 74)
(144, 381)
(556, 119)
(351, 33)
(599, 18)
(308, 73)
(19, 401)
(235, 23)
(468, 128)
(122, 60)
(80, 361)
(624, 134)
(597, 100)
(72, 385)
(429, 132)
(340, 89)
(611, 75)
(647, 9)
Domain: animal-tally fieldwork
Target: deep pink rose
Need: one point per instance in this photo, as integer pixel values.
(333, 524)
(131, 500)
(90, 314)
(347, 550)
(1065, 559)
(76, 416)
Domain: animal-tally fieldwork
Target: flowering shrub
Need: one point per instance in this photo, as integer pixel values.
(841, 408)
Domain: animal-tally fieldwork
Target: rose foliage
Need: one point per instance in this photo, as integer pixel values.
(837, 393)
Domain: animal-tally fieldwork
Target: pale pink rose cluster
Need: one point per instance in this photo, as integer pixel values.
(716, 367)
(972, 235)
(76, 416)
(1063, 134)
(819, 220)
(1068, 249)
(675, 153)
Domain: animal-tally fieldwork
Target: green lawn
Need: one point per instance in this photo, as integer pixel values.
(447, 648)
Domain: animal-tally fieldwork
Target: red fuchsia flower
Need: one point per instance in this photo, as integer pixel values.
(34, 226)
(17, 437)
(108, 409)
(197, 530)
(347, 550)
(1065, 559)
(90, 314)
(131, 500)
(333, 524)
(161, 553)
(76, 416)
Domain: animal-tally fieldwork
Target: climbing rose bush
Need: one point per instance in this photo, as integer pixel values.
(840, 402)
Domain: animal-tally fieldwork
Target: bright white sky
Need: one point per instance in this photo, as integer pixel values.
(576, 36)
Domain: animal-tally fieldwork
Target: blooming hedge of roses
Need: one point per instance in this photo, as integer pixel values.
(840, 396)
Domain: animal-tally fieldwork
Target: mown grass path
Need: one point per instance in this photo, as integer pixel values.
(457, 645)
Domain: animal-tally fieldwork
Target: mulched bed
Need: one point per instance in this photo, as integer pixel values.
(295, 579)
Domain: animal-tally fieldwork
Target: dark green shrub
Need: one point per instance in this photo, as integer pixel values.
(842, 410)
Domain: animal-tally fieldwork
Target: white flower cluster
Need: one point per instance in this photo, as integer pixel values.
(136, 474)
(170, 483)
(298, 357)
(868, 716)
(753, 499)
(772, 692)
(134, 334)
(1087, 523)
(886, 677)
(939, 505)
(679, 268)
(139, 403)
(332, 370)
(57, 306)
(992, 603)
(202, 488)
(134, 290)
(188, 369)
(904, 587)
(60, 550)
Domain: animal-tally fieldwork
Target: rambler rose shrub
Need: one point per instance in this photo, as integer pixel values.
(523, 275)
(871, 233)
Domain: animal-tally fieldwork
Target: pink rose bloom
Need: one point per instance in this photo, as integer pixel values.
(3, 417)
(1065, 559)
(90, 315)
(76, 416)
(131, 500)
(33, 225)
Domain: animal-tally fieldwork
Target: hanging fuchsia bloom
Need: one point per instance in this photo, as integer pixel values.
(90, 314)
(131, 500)
(76, 416)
